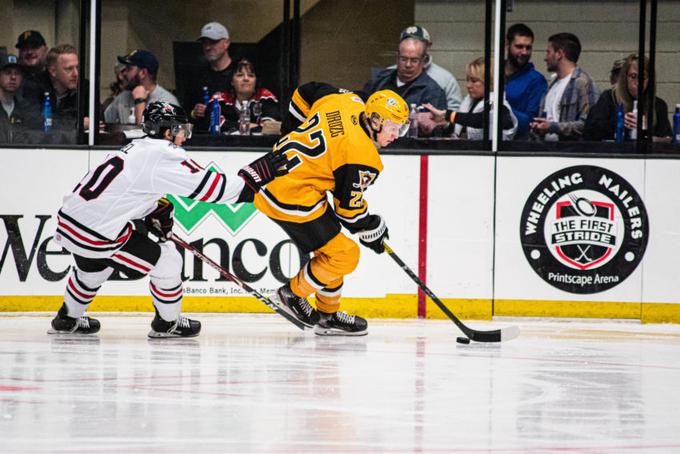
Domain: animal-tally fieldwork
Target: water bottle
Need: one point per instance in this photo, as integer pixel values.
(618, 135)
(676, 124)
(413, 121)
(132, 118)
(215, 113)
(256, 109)
(244, 119)
(633, 132)
(206, 97)
(47, 113)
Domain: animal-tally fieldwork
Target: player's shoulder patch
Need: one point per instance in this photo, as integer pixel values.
(356, 98)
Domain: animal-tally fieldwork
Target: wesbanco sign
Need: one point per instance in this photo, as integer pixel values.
(577, 237)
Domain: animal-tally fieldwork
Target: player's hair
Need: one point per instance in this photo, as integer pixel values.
(568, 43)
(518, 29)
(56, 51)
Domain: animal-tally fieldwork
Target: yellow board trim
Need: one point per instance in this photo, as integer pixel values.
(660, 313)
(576, 309)
(391, 306)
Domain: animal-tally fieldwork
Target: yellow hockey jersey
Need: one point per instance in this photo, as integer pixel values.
(329, 152)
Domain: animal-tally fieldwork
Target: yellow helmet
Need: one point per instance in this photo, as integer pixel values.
(387, 105)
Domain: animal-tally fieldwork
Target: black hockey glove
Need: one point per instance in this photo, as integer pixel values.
(160, 221)
(374, 234)
(263, 170)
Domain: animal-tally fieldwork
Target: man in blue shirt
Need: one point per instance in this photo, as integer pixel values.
(524, 86)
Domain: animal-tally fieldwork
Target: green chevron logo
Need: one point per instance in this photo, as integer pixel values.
(190, 213)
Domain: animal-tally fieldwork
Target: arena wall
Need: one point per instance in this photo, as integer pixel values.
(459, 220)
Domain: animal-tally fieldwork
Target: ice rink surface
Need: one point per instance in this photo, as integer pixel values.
(254, 383)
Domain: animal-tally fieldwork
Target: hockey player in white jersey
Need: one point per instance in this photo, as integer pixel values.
(95, 221)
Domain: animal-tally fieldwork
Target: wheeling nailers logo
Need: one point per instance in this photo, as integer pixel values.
(190, 213)
(584, 229)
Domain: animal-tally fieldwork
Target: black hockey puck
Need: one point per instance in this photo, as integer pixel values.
(462, 340)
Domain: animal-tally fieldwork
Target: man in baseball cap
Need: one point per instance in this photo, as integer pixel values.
(440, 75)
(8, 60)
(30, 38)
(417, 32)
(141, 89)
(143, 59)
(17, 116)
(216, 77)
(32, 57)
(214, 31)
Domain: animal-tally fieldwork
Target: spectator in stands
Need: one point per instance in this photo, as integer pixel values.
(17, 116)
(468, 121)
(245, 93)
(409, 78)
(616, 71)
(141, 89)
(217, 76)
(63, 71)
(601, 122)
(570, 94)
(116, 87)
(524, 86)
(33, 62)
(444, 79)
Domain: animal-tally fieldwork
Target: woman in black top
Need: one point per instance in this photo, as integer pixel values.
(601, 121)
(468, 121)
(245, 93)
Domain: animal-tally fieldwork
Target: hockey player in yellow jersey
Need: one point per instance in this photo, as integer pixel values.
(334, 151)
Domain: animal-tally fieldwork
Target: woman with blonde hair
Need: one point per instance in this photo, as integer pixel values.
(601, 122)
(468, 121)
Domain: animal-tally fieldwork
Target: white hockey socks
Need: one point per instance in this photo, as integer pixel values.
(81, 288)
(166, 283)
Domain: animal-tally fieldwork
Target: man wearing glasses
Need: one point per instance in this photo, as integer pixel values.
(409, 79)
(440, 75)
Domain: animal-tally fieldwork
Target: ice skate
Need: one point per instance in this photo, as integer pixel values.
(63, 324)
(340, 324)
(182, 327)
(296, 306)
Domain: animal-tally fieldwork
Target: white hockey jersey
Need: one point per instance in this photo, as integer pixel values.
(95, 219)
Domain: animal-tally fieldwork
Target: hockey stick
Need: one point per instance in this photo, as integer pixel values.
(496, 335)
(226, 274)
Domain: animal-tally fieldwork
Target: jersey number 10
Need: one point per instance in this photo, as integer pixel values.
(101, 178)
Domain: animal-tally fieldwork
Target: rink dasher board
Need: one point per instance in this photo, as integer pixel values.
(460, 238)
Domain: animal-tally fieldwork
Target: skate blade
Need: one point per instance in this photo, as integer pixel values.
(319, 331)
(156, 335)
(278, 303)
(53, 332)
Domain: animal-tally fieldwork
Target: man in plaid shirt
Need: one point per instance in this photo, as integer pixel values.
(570, 95)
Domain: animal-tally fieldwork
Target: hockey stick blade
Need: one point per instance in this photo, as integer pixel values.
(226, 274)
(497, 335)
